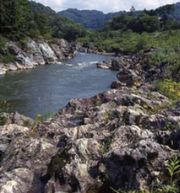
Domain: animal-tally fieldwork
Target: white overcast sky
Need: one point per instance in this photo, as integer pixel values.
(105, 5)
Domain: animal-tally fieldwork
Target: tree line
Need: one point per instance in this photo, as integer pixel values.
(146, 21)
(20, 18)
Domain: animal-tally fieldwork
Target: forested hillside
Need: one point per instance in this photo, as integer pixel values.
(22, 18)
(97, 20)
(92, 19)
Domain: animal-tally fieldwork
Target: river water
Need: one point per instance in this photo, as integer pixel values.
(46, 89)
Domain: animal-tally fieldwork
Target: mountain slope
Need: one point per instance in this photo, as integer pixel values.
(89, 18)
(94, 19)
(40, 8)
(171, 11)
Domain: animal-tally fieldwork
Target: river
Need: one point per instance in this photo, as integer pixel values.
(47, 88)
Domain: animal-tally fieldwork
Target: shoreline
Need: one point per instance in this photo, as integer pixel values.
(37, 53)
(122, 132)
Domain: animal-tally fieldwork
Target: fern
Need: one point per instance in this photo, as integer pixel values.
(173, 168)
(169, 189)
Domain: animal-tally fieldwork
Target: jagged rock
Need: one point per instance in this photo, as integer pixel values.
(117, 64)
(118, 139)
(116, 84)
(13, 48)
(25, 60)
(15, 118)
(58, 51)
(17, 181)
(129, 77)
(34, 53)
(47, 52)
(103, 65)
(127, 167)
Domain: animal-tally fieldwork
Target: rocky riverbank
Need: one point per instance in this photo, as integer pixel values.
(33, 53)
(121, 139)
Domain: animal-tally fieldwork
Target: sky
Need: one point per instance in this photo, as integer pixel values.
(105, 5)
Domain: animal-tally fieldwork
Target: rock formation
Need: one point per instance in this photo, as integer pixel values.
(115, 139)
(121, 139)
(34, 53)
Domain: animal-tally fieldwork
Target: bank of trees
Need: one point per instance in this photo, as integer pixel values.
(21, 18)
(143, 22)
(14, 16)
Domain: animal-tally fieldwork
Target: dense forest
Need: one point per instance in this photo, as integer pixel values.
(22, 18)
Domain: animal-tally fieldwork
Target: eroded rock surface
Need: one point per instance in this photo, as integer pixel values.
(34, 53)
(117, 139)
(121, 139)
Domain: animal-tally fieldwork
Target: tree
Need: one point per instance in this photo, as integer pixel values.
(14, 16)
(22, 13)
(132, 9)
(7, 13)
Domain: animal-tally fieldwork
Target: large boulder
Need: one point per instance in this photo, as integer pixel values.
(47, 52)
(3, 69)
(117, 64)
(104, 65)
(129, 77)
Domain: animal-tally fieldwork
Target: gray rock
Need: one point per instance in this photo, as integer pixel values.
(103, 65)
(129, 77)
(34, 53)
(111, 140)
(117, 64)
(15, 118)
(117, 84)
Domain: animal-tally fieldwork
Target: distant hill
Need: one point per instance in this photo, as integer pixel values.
(89, 18)
(94, 19)
(56, 25)
(171, 11)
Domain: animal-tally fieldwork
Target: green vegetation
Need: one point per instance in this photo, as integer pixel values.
(5, 55)
(157, 48)
(131, 42)
(14, 17)
(106, 144)
(169, 88)
(92, 19)
(152, 35)
(4, 106)
(173, 169)
(89, 18)
(144, 22)
(22, 18)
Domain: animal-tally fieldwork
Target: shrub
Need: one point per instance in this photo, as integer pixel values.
(169, 88)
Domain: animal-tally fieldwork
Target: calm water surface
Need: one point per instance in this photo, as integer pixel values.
(48, 88)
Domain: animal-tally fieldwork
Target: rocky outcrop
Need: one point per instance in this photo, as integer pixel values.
(34, 53)
(130, 72)
(121, 139)
(121, 62)
(116, 140)
(15, 118)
